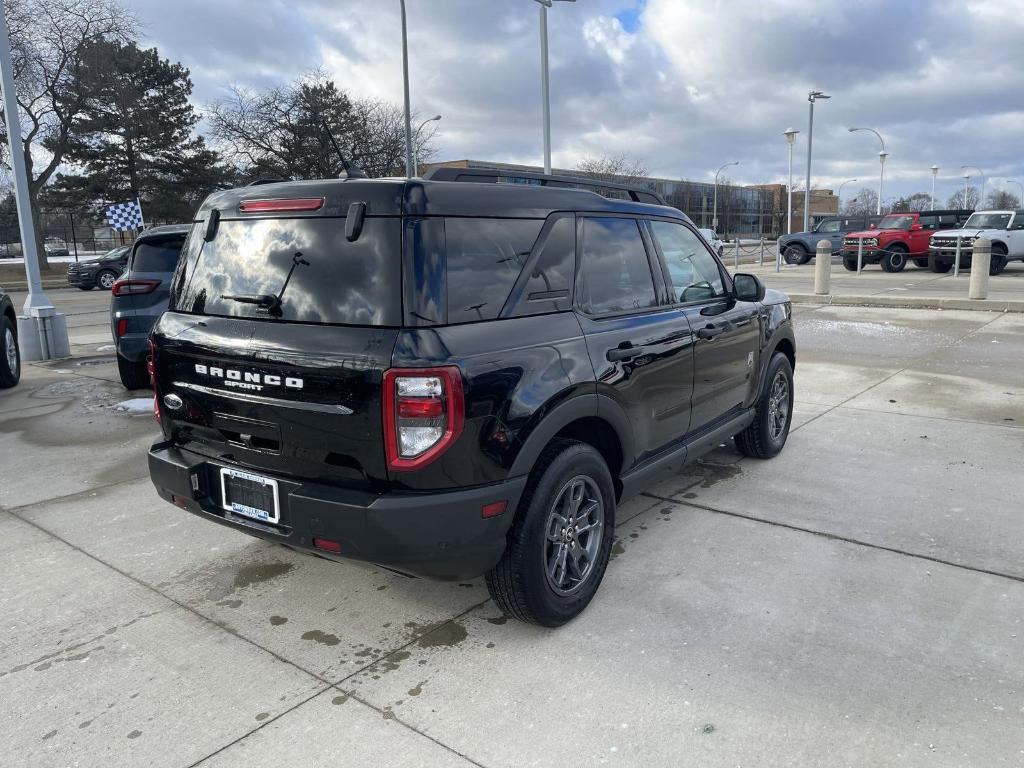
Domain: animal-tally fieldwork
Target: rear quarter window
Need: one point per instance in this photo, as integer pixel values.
(157, 255)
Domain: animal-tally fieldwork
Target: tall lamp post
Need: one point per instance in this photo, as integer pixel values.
(714, 215)
(1020, 198)
(405, 84)
(415, 157)
(545, 95)
(935, 172)
(881, 160)
(790, 135)
(981, 200)
(811, 97)
(839, 194)
(967, 178)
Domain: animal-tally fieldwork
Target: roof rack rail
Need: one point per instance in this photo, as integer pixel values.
(259, 182)
(507, 175)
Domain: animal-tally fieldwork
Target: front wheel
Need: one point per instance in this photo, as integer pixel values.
(939, 267)
(850, 263)
(766, 436)
(894, 261)
(921, 263)
(560, 542)
(10, 355)
(998, 263)
(106, 279)
(795, 254)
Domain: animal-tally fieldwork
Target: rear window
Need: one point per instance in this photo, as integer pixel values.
(295, 270)
(157, 255)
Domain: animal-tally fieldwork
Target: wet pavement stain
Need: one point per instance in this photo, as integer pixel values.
(690, 495)
(715, 473)
(617, 549)
(391, 662)
(49, 735)
(318, 636)
(262, 716)
(489, 645)
(230, 580)
(340, 699)
(634, 535)
(418, 689)
(388, 714)
(134, 734)
(498, 620)
(230, 603)
(277, 621)
(709, 728)
(443, 634)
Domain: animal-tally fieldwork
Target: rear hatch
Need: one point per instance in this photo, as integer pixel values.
(277, 336)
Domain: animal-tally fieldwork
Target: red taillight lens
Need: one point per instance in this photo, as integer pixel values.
(122, 327)
(151, 369)
(423, 414)
(327, 545)
(292, 204)
(133, 287)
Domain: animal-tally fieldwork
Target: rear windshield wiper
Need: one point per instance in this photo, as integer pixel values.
(265, 301)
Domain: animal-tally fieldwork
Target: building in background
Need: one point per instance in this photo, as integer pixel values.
(753, 211)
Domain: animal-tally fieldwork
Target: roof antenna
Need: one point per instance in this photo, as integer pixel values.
(348, 171)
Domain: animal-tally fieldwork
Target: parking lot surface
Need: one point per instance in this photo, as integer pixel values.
(858, 600)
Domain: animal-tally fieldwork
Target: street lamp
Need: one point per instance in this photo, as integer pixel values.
(839, 194)
(714, 215)
(415, 157)
(545, 96)
(811, 97)
(1020, 199)
(405, 85)
(881, 159)
(981, 200)
(967, 177)
(935, 172)
(790, 135)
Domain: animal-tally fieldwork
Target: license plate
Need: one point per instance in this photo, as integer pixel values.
(250, 495)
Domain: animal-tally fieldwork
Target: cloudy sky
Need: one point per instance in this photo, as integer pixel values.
(681, 85)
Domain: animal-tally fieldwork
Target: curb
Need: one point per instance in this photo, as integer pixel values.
(47, 285)
(909, 302)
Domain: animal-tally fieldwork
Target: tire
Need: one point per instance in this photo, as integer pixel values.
(133, 375)
(938, 267)
(85, 287)
(921, 263)
(105, 279)
(795, 254)
(520, 584)
(894, 260)
(850, 263)
(767, 433)
(998, 263)
(10, 355)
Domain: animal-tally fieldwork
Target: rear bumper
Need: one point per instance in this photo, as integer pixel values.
(437, 535)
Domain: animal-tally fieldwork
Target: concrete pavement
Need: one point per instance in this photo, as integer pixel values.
(859, 600)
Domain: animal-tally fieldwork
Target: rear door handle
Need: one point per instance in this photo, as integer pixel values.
(709, 332)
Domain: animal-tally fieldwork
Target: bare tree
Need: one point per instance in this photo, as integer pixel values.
(618, 168)
(49, 42)
(968, 200)
(1000, 199)
(864, 204)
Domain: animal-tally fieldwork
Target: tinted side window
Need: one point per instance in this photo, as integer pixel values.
(1018, 220)
(157, 255)
(929, 222)
(830, 226)
(615, 275)
(694, 272)
(947, 220)
(548, 287)
(484, 259)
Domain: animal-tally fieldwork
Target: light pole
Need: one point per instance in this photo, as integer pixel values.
(935, 172)
(881, 160)
(415, 157)
(981, 200)
(839, 194)
(967, 178)
(714, 215)
(1020, 199)
(405, 83)
(545, 94)
(790, 135)
(811, 97)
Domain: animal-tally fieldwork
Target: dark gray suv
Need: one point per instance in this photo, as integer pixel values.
(140, 297)
(800, 247)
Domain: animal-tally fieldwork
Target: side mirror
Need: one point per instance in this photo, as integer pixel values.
(747, 287)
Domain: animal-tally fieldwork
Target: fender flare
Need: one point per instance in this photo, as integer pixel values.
(784, 332)
(589, 405)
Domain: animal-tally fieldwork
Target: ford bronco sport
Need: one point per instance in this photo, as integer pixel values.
(898, 238)
(1005, 229)
(451, 377)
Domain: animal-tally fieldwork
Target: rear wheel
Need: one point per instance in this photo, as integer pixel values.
(767, 433)
(133, 375)
(894, 260)
(998, 263)
(561, 539)
(10, 355)
(796, 254)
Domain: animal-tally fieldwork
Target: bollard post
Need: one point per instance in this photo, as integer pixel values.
(981, 260)
(778, 257)
(823, 268)
(760, 261)
(956, 260)
(860, 254)
(736, 257)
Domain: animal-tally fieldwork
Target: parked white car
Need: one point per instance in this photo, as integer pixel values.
(1004, 228)
(714, 241)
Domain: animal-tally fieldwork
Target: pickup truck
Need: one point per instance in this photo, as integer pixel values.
(898, 238)
(1004, 228)
(799, 247)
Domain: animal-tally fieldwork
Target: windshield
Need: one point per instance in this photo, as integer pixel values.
(117, 253)
(988, 221)
(895, 222)
(294, 270)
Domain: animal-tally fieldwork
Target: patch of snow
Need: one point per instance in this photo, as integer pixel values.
(136, 405)
(106, 348)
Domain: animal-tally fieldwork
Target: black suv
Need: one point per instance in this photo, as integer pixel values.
(454, 378)
(10, 354)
